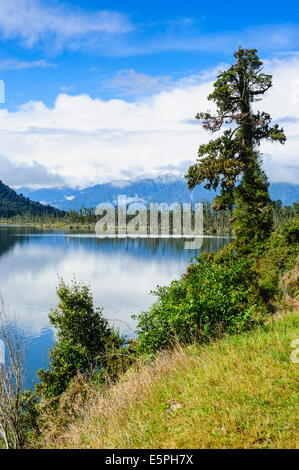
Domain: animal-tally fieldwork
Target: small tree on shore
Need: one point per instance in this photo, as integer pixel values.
(232, 162)
(85, 341)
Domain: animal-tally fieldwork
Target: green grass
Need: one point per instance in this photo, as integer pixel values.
(238, 392)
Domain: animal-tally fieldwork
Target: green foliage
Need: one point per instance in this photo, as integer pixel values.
(217, 294)
(279, 255)
(222, 292)
(290, 232)
(232, 161)
(29, 416)
(13, 204)
(254, 210)
(85, 341)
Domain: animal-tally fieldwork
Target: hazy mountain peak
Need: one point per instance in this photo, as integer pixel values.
(165, 188)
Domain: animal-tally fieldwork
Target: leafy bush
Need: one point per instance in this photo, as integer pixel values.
(290, 231)
(289, 285)
(217, 294)
(223, 292)
(278, 257)
(86, 343)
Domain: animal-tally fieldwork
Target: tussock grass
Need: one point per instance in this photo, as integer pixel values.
(238, 392)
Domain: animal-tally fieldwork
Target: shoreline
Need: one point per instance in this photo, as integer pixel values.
(91, 231)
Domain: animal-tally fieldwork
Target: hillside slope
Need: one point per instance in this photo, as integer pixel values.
(12, 204)
(238, 392)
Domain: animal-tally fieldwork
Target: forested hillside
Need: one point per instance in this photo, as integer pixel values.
(12, 204)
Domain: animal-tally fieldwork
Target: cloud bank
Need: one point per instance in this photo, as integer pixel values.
(88, 141)
(23, 174)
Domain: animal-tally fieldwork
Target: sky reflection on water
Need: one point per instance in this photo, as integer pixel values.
(120, 272)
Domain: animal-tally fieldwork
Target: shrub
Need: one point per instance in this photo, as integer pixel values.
(223, 292)
(277, 258)
(217, 294)
(289, 284)
(86, 343)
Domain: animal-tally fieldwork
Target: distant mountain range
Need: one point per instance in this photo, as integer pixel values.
(166, 189)
(12, 204)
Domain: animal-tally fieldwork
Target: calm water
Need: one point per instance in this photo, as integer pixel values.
(121, 273)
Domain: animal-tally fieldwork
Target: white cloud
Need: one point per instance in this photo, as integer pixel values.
(66, 88)
(88, 141)
(131, 83)
(280, 171)
(34, 20)
(33, 174)
(12, 64)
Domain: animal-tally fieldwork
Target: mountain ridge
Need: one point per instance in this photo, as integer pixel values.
(146, 190)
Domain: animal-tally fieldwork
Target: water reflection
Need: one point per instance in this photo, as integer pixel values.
(121, 273)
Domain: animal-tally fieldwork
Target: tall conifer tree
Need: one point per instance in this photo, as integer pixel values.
(232, 162)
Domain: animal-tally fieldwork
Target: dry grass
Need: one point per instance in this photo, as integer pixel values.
(289, 284)
(239, 392)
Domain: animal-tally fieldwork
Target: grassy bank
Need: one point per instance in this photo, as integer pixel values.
(237, 392)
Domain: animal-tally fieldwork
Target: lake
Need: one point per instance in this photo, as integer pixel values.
(120, 271)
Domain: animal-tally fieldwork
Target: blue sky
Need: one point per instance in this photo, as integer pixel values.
(136, 52)
(156, 38)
